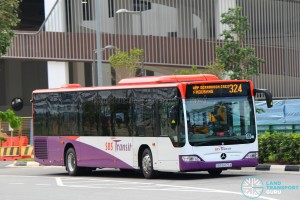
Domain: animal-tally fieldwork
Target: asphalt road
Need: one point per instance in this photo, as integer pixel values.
(53, 183)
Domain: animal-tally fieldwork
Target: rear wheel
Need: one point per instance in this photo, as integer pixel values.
(71, 162)
(147, 164)
(215, 172)
(71, 165)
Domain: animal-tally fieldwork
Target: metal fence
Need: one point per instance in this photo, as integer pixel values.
(26, 129)
(278, 128)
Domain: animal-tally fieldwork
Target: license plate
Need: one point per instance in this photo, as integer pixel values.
(221, 165)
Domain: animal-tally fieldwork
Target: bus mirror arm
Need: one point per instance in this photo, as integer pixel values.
(267, 94)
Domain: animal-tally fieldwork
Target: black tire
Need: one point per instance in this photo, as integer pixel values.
(147, 164)
(71, 163)
(215, 172)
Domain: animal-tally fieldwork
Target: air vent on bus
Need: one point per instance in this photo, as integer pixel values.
(40, 148)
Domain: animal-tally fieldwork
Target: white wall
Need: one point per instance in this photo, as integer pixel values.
(58, 72)
(222, 6)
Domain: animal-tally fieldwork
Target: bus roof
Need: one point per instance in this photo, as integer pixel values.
(167, 79)
(136, 82)
(143, 82)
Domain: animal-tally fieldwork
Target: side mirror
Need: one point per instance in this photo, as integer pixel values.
(17, 104)
(268, 95)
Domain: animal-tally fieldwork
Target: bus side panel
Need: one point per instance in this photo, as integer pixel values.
(140, 143)
(167, 155)
(50, 151)
(164, 154)
(114, 152)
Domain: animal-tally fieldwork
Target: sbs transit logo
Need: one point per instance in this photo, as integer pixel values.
(252, 187)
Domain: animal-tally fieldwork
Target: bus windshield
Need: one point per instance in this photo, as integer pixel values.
(220, 121)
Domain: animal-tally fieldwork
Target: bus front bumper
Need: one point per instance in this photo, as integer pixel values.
(203, 166)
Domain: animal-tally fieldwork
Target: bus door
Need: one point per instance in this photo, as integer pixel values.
(172, 134)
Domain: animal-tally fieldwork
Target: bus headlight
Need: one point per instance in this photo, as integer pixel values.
(252, 155)
(191, 158)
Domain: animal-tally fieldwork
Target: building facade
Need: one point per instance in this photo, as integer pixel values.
(64, 41)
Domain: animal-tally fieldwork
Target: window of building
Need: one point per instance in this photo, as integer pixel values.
(111, 9)
(88, 10)
(172, 34)
(139, 5)
(195, 33)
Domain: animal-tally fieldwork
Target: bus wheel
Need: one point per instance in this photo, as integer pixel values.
(147, 164)
(71, 162)
(215, 172)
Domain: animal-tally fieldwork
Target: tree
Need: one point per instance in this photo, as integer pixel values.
(126, 64)
(215, 69)
(8, 19)
(237, 59)
(233, 58)
(193, 70)
(9, 116)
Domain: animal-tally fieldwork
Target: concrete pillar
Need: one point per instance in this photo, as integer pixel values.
(13, 80)
(78, 73)
(222, 6)
(58, 72)
(106, 74)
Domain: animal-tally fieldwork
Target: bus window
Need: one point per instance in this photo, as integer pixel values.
(144, 112)
(121, 113)
(88, 112)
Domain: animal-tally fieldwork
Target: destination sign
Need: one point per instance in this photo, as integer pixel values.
(218, 90)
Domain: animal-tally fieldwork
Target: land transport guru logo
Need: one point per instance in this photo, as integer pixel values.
(252, 187)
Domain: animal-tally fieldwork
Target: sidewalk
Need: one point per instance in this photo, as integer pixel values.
(273, 168)
(24, 163)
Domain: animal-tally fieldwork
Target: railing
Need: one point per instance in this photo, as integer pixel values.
(281, 128)
(61, 37)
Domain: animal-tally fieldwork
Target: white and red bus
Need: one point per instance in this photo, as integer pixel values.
(165, 123)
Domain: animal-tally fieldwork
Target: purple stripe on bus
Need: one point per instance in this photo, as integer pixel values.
(201, 165)
(87, 156)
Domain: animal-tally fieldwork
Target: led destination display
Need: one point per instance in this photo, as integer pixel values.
(218, 90)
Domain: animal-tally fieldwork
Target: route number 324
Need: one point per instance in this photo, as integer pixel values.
(235, 88)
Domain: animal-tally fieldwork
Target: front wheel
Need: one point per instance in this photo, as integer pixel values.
(147, 164)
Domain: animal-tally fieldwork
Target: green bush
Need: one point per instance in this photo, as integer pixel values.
(282, 148)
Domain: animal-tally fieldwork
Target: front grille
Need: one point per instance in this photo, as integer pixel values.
(41, 148)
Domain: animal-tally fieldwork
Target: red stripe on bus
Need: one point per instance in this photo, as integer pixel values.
(71, 137)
